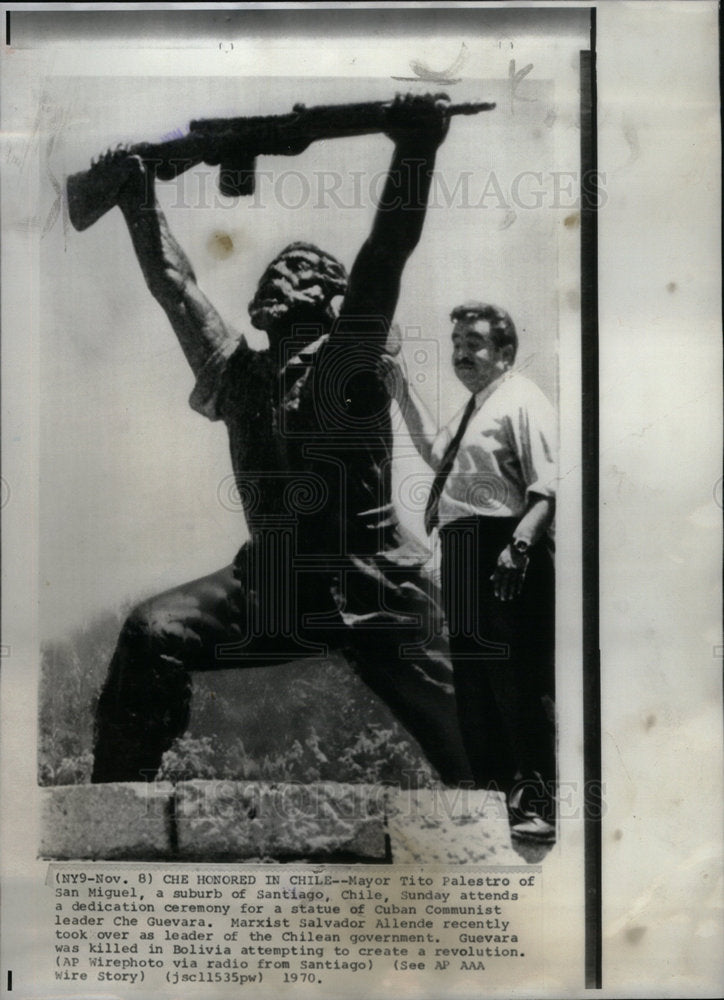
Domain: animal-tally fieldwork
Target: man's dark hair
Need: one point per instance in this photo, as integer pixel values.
(502, 327)
(333, 273)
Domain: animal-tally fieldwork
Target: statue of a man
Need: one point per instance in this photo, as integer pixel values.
(327, 566)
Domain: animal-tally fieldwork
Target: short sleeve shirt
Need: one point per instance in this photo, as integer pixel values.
(507, 452)
(310, 440)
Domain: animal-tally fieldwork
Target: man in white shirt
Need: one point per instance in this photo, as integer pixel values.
(493, 502)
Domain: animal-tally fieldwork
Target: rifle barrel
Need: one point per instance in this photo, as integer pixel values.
(470, 108)
(356, 114)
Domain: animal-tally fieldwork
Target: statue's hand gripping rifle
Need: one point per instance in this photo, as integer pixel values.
(234, 143)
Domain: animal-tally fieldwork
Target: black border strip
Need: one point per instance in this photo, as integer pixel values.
(592, 794)
(45, 27)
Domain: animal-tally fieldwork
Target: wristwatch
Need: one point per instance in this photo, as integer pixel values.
(520, 546)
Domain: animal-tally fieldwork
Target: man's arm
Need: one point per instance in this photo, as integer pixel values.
(200, 329)
(418, 127)
(536, 520)
(420, 423)
(509, 575)
(534, 434)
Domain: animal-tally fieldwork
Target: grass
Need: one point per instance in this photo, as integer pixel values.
(308, 721)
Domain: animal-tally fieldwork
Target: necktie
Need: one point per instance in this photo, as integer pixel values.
(433, 501)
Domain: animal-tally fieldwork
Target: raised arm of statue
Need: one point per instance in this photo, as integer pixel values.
(169, 275)
(418, 125)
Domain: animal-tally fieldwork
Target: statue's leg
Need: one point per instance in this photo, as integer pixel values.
(145, 702)
(418, 689)
(395, 642)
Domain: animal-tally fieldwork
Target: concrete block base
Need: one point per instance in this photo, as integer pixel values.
(260, 821)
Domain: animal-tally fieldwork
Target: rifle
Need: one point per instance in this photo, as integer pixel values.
(234, 144)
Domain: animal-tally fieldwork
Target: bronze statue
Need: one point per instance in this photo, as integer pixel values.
(327, 565)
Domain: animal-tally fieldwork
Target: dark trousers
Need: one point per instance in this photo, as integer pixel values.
(503, 658)
(218, 623)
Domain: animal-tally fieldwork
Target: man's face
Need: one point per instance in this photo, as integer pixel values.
(476, 359)
(291, 290)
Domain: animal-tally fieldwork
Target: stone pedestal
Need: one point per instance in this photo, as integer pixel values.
(228, 821)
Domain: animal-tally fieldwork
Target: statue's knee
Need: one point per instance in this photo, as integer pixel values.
(144, 662)
(136, 622)
(142, 628)
(163, 638)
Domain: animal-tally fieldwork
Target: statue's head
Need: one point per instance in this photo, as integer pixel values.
(298, 288)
